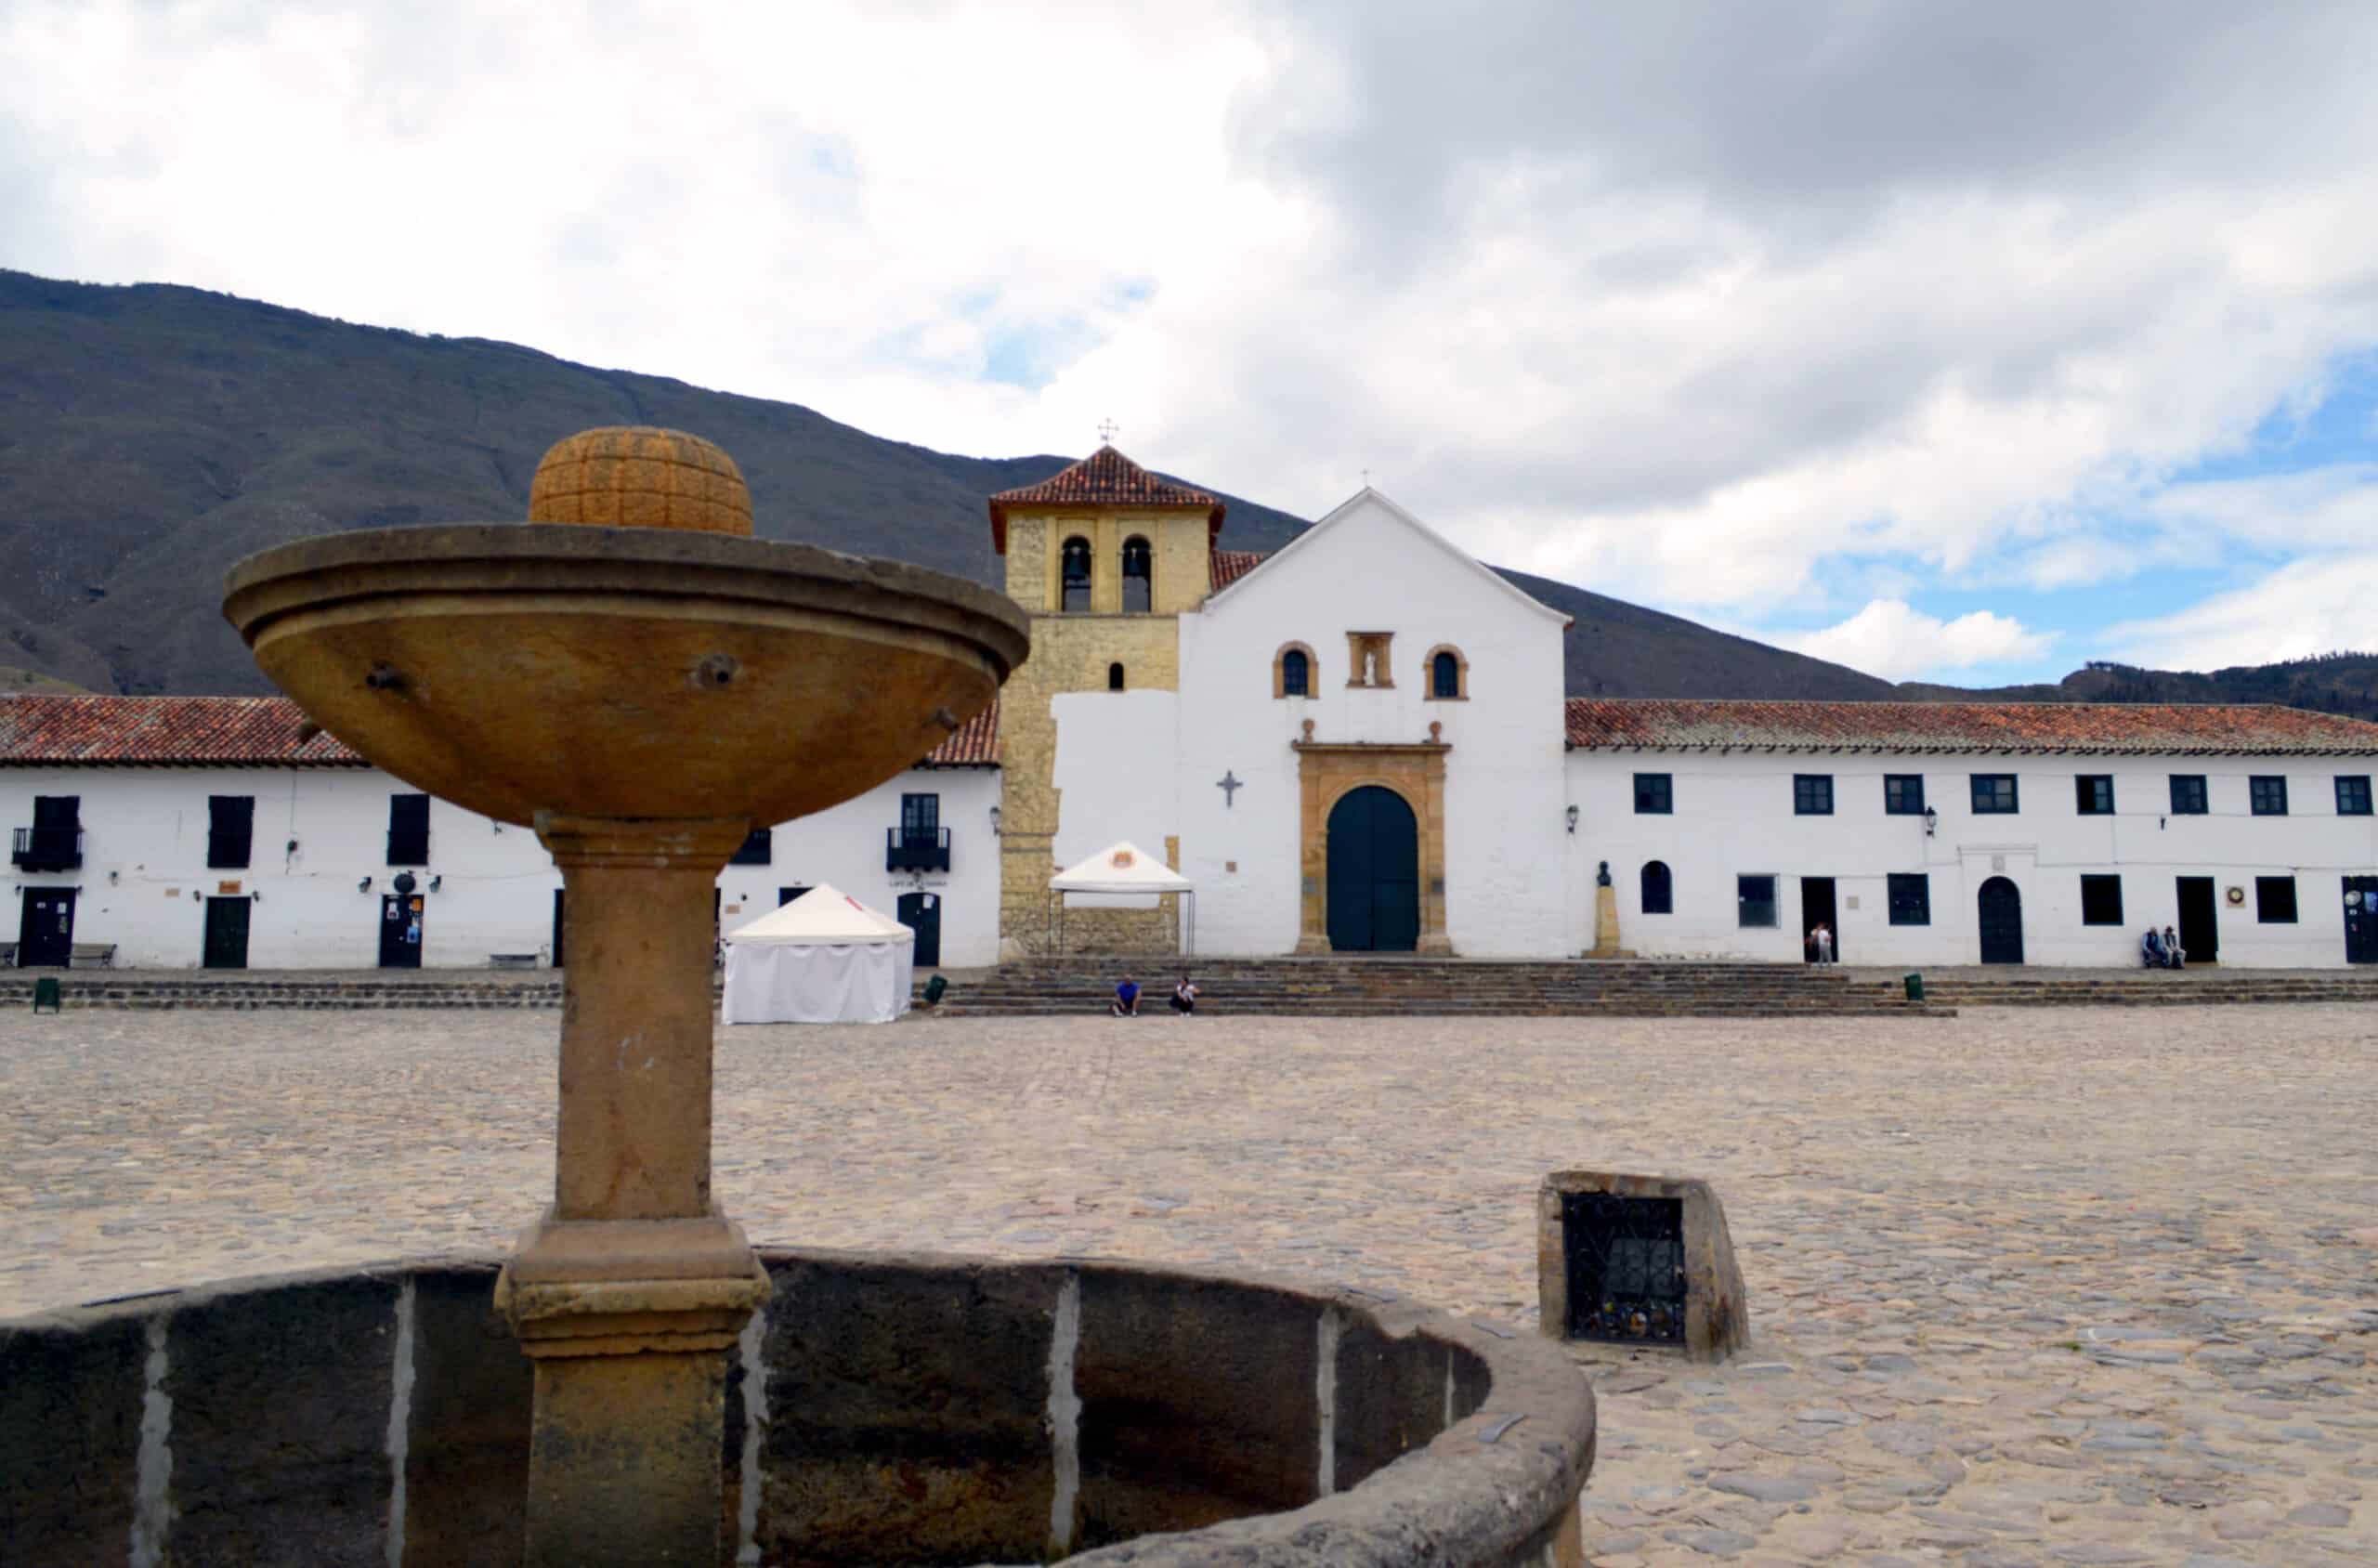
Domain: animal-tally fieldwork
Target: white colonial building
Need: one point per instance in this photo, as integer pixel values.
(1359, 742)
(176, 831)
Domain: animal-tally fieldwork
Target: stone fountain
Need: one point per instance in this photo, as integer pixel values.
(641, 683)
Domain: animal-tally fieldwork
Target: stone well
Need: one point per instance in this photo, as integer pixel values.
(882, 1408)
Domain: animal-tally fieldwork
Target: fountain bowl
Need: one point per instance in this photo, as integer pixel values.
(622, 672)
(910, 1408)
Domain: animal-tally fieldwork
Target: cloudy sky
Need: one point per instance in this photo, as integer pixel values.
(1961, 342)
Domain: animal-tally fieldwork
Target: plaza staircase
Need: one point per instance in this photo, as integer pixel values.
(2192, 988)
(1403, 987)
(1317, 988)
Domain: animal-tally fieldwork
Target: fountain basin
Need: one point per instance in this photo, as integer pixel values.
(884, 1408)
(622, 672)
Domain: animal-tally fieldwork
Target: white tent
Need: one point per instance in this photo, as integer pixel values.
(1124, 867)
(823, 959)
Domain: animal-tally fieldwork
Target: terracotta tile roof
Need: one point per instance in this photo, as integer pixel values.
(1104, 478)
(1696, 724)
(258, 732)
(1232, 564)
(164, 731)
(974, 743)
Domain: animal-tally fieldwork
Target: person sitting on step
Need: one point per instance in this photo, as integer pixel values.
(1184, 997)
(1127, 999)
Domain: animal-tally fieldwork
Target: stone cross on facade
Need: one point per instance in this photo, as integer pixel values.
(1230, 786)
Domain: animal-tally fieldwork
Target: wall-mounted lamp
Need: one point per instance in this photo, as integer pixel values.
(995, 821)
(1931, 821)
(436, 882)
(293, 848)
(111, 878)
(363, 886)
(195, 895)
(1572, 820)
(256, 897)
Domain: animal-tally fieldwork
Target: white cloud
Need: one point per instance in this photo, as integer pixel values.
(2317, 605)
(1891, 640)
(1675, 303)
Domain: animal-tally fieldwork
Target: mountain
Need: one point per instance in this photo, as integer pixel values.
(2328, 683)
(151, 435)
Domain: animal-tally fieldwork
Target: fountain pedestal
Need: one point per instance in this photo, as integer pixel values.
(641, 683)
(630, 1290)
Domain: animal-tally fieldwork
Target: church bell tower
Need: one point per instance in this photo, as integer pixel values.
(1104, 557)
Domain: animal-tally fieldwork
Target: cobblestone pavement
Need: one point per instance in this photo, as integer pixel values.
(2087, 1287)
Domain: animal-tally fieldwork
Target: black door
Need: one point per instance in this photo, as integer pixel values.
(2002, 922)
(46, 928)
(2200, 934)
(227, 934)
(400, 930)
(557, 928)
(1816, 908)
(2362, 920)
(1373, 873)
(921, 912)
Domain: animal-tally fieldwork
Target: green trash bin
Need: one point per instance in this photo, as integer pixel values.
(934, 990)
(45, 994)
(1915, 987)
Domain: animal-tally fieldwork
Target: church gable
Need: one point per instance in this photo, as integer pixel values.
(1368, 549)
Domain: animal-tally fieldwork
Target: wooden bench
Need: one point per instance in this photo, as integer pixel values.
(92, 955)
(512, 961)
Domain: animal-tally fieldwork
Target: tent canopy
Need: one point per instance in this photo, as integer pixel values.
(823, 917)
(1121, 867)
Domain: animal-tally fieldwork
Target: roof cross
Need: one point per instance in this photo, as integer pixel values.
(1106, 428)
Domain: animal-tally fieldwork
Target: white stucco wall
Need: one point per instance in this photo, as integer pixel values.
(144, 856)
(1733, 816)
(1117, 777)
(1366, 567)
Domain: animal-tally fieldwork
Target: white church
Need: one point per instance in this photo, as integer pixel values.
(1357, 743)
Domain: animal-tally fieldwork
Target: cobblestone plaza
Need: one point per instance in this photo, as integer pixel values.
(2079, 1286)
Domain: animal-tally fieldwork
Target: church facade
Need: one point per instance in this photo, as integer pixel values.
(1357, 743)
(1361, 742)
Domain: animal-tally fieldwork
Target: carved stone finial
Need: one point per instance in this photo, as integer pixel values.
(1436, 729)
(636, 476)
(1308, 729)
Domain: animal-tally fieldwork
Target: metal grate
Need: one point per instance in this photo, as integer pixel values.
(1626, 1263)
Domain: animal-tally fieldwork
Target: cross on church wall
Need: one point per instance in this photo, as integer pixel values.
(1230, 785)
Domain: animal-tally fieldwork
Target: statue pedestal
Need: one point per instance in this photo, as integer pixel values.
(1606, 925)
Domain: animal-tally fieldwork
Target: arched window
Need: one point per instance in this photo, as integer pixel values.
(1137, 579)
(1448, 674)
(1074, 562)
(1294, 671)
(1659, 893)
(1114, 677)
